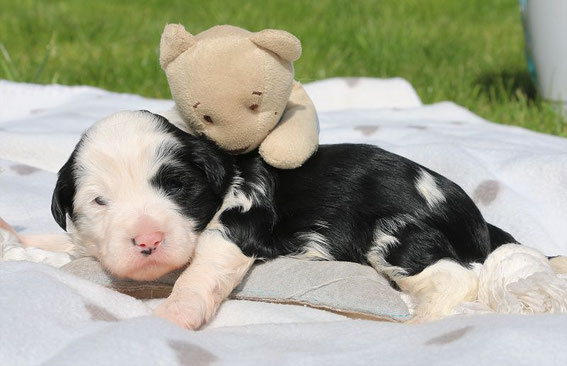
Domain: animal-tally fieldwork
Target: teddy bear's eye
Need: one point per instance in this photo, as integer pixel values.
(253, 107)
(256, 93)
(208, 118)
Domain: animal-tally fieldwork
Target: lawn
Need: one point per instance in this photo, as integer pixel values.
(469, 52)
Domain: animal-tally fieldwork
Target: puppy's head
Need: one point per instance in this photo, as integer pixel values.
(136, 192)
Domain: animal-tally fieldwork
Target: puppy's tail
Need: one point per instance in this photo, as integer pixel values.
(519, 279)
(498, 237)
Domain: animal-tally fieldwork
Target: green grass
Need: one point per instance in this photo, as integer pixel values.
(469, 52)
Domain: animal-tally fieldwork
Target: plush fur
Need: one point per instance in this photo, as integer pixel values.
(237, 88)
(136, 174)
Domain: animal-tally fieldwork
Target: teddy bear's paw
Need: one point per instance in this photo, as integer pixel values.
(185, 313)
(281, 161)
(281, 154)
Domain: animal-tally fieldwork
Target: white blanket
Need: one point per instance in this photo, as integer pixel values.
(518, 179)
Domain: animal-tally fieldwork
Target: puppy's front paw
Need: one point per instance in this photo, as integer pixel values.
(8, 234)
(183, 312)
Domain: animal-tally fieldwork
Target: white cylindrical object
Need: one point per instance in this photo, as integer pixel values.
(545, 26)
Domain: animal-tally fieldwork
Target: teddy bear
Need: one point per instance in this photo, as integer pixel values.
(237, 88)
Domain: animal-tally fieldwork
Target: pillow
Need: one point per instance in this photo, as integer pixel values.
(346, 288)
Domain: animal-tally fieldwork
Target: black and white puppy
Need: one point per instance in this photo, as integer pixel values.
(146, 198)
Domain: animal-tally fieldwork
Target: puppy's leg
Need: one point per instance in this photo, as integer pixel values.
(439, 288)
(4, 225)
(419, 259)
(216, 269)
(50, 242)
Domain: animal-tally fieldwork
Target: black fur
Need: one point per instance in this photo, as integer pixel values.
(200, 171)
(64, 192)
(351, 188)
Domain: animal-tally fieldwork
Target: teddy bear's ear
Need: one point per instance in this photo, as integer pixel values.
(280, 42)
(174, 41)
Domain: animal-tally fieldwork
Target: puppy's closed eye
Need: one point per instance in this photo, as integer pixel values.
(172, 186)
(100, 201)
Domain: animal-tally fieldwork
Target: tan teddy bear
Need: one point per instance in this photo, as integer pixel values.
(237, 88)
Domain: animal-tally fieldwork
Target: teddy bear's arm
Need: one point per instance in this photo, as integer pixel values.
(296, 137)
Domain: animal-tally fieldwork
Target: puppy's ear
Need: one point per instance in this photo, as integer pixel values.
(205, 154)
(62, 200)
(216, 164)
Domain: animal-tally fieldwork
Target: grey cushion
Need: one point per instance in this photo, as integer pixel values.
(347, 288)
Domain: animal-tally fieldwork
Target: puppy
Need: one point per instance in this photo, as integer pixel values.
(145, 198)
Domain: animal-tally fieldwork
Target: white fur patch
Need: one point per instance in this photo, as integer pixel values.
(235, 197)
(384, 239)
(315, 246)
(260, 189)
(428, 189)
(439, 288)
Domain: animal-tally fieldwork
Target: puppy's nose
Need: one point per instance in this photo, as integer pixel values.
(148, 242)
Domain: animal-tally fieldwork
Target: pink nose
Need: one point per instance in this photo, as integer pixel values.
(149, 240)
